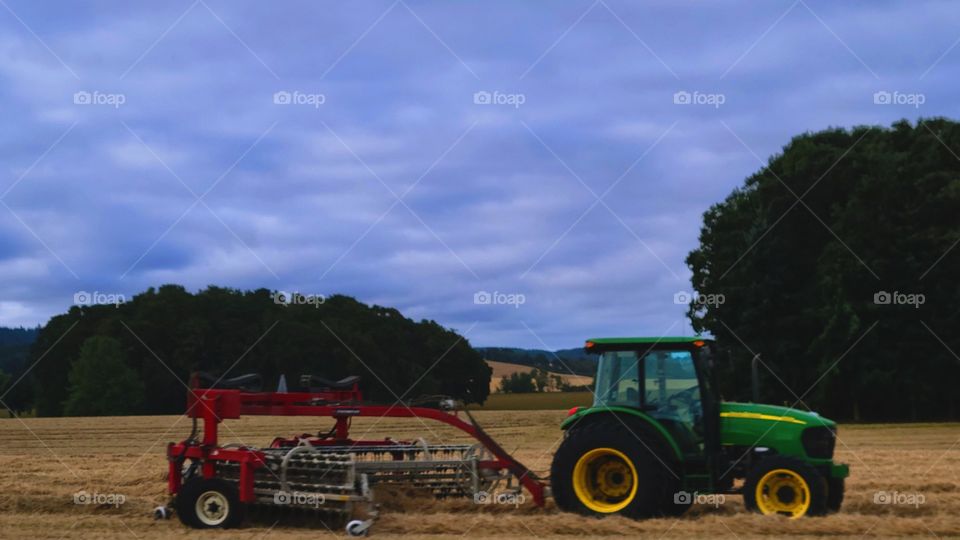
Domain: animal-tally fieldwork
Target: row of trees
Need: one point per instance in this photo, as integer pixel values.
(14, 349)
(837, 265)
(137, 357)
(535, 380)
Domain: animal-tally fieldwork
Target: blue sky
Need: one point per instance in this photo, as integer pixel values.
(415, 154)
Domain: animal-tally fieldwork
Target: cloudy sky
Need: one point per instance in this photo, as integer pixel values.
(418, 154)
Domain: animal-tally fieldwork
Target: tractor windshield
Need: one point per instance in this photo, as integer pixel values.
(665, 387)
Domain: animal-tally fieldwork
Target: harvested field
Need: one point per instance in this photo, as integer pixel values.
(44, 462)
(536, 401)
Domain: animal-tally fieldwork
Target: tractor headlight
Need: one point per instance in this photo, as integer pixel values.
(818, 442)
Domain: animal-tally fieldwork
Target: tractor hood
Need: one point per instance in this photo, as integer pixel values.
(778, 428)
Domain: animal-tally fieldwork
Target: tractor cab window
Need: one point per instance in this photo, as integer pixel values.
(663, 384)
(618, 380)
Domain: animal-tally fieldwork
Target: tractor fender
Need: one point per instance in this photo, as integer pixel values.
(627, 417)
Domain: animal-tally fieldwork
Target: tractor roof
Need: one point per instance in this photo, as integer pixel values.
(626, 342)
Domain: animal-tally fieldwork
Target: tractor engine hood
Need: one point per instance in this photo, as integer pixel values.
(770, 426)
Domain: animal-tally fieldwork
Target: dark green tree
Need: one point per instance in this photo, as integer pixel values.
(518, 383)
(101, 383)
(4, 383)
(802, 248)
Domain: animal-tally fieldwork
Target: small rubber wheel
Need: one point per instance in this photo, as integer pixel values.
(785, 486)
(209, 504)
(835, 488)
(357, 527)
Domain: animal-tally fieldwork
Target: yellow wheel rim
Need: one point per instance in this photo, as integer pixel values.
(605, 480)
(782, 491)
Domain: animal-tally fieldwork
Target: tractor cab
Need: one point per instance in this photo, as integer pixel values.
(661, 378)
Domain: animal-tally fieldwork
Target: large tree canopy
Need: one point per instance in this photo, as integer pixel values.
(802, 254)
(166, 333)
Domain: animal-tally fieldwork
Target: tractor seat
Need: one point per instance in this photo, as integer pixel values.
(250, 382)
(316, 381)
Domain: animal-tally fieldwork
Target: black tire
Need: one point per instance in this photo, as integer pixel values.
(815, 482)
(216, 493)
(678, 505)
(835, 487)
(657, 479)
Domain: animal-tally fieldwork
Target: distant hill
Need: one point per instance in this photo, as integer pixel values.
(565, 361)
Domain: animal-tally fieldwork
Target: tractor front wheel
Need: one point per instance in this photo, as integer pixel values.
(602, 468)
(209, 503)
(834, 494)
(786, 486)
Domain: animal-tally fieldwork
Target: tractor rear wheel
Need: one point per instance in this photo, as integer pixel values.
(209, 503)
(787, 486)
(602, 468)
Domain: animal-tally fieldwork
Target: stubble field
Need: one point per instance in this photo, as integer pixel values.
(44, 462)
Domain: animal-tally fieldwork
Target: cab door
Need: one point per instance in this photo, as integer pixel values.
(671, 394)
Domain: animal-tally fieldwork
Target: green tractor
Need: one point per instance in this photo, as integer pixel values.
(658, 438)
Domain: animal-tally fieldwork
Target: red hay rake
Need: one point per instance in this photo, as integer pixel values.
(326, 473)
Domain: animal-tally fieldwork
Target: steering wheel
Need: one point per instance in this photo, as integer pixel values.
(684, 398)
